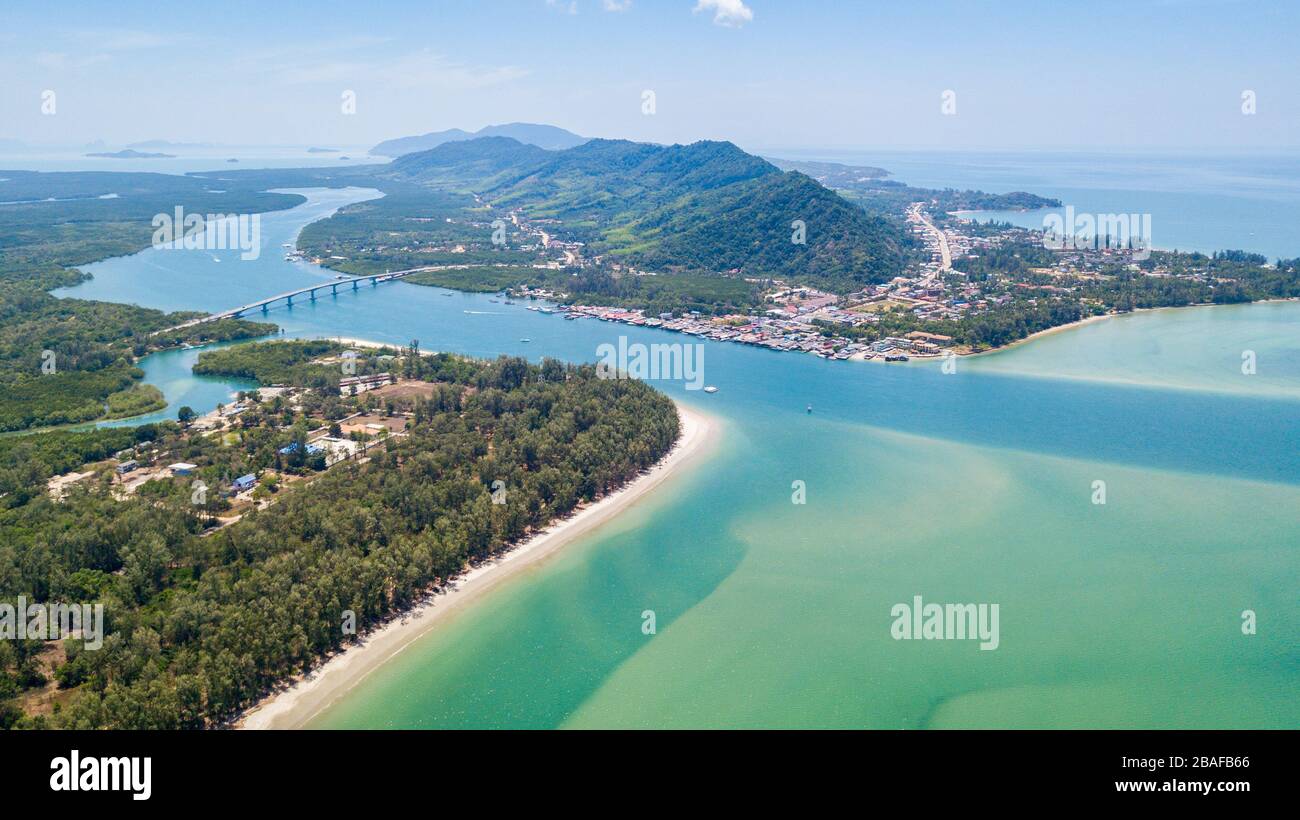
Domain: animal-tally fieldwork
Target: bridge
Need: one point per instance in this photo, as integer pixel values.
(288, 297)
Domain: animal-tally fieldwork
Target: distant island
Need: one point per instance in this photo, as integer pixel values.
(130, 154)
(548, 137)
(832, 174)
(322, 150)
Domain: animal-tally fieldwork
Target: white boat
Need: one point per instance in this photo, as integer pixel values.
(710, 389)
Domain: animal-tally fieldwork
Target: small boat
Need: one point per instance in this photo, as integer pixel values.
(525, 340)
(810, 408)
(710, 389)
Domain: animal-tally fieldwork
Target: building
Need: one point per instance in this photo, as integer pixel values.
(312, 449)
(183, 468)
(127, 466)
(932, 338)
(244, 483)
(359, 384)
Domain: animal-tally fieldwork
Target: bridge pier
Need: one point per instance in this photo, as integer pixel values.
(334, 290)
(312, 293)
(265, 306)
(289, 300)
(354, 284)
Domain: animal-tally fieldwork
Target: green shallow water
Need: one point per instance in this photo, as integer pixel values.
(1126, 614)
(970, 488)
(1197, 348)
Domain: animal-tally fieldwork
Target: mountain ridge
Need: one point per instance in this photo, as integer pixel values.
(707, 206)
(549, 137)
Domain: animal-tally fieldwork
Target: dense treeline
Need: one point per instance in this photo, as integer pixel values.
(995, 327)
(72, 360)
(27, 462)
(663, 293)
(200, 627)
(751, 227)
(290, 362)
(62, 220)
(1041, 297)
(66, 361)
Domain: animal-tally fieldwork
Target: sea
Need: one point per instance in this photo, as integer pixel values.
(1124, 494)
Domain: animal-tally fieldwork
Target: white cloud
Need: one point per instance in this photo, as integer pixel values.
(733, 13)
(617, 5)
(567, 8)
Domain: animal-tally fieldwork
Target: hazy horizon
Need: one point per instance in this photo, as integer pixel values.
(767, 76)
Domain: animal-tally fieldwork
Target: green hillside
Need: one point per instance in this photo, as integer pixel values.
(705, 207)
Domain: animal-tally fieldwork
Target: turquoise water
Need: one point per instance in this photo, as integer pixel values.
(974, 487)
(171, 372)
(1201, 348)
(1197, 202)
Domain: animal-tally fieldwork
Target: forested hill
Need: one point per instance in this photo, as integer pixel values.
(707, 206)
(468, 165)
(845, 248)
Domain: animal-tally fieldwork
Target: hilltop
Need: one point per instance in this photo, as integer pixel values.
(705, 207)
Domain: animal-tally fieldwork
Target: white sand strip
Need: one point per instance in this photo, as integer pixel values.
(307, 696)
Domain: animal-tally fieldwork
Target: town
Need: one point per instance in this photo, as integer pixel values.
(805, 319)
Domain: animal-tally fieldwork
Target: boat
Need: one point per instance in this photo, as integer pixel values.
(710, 389)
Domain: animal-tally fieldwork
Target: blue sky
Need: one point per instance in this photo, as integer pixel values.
(763, 73)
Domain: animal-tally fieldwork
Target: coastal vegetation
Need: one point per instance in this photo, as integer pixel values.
(868, 187)
(1036, 289)
(204, 619)
(65, 361)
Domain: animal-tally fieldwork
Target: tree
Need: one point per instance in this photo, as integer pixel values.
(186, 414)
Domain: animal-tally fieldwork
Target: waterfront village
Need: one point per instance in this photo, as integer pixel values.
(803, 319)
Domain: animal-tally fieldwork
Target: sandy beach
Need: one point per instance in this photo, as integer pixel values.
(292, 707)
(1088, 320)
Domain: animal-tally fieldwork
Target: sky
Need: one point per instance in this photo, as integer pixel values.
(766, 74)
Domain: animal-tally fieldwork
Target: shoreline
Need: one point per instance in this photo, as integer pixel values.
(293, 706)
(1092, 319)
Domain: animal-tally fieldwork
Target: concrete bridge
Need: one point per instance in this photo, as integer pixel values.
(310, 292)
